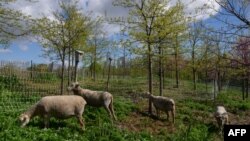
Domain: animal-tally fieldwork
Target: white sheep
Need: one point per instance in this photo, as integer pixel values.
(221, 117)
(60, 106)
(95, 98)
(162, 103)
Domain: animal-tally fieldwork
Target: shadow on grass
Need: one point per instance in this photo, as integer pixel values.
(152, 116)
(56, 125)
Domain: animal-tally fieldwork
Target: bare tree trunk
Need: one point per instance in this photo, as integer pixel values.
(194, 69)
(91, 67)
(94, 67)
(206, 80)
(62, 71)
(69, 67)
(247, 83)
(243, 89)
(103, 71)
(31, 69)
(160, 70)
(72, 66)
(176, 64)
(150, 77)
(214, 89)
(219, 80)
(124, 62)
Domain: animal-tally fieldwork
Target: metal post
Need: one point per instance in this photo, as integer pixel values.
(110, 59)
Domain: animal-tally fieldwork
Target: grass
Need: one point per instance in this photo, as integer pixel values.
(194, 116)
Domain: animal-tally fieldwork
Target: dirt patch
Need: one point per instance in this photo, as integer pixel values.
(140, 120)
(243, 119)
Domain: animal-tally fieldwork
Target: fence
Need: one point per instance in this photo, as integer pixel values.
(20, 86)
(23, 83)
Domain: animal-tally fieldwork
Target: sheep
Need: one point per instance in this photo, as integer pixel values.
(162, 103)
(221, 117)
(95, 98)
(58, 106)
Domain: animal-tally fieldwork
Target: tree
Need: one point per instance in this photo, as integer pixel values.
(238, 9)
(241, 61)
(13, 23)
(194, 39)
(142, 27)
(96, 42)
(66, 33)
(168, 26)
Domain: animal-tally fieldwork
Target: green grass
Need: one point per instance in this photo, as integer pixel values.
(194, 120)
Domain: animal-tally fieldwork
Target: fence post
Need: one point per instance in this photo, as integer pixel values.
(110, 59)
(31, 69)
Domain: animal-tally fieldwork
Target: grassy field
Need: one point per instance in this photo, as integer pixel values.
(194, 116)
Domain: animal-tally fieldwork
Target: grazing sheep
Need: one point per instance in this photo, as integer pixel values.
(61, 106)
(162, 103)
(221, 117)
(95, 98)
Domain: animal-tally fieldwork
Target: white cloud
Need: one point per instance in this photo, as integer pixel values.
(101, 7)
(105, 7)
(36, 9)
(2, 50)
(22, 43)
(23, 47)
(200, 9)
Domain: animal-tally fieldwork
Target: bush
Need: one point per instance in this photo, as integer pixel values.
(233, 101)
(7, 82)
(40, 77)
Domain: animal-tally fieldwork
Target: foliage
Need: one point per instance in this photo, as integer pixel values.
(232, 100)
(13, 23)
(69, 29)
(44, 77)
(8, 82)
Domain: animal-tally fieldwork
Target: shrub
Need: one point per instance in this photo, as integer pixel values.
(7, 82)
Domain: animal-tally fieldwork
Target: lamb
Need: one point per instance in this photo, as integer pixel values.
(59, 106)
(162, 103)
(221, 117)
(95, 98)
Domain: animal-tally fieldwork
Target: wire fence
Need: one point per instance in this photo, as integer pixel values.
(21, 86)
(24, 83)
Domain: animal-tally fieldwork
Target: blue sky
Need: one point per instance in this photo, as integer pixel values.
(27, 50)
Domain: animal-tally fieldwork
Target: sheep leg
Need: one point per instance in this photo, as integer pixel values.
(81, 122)
(227, 121)
(106, 105)
(167, 115)
(112, 110)
(46, 121)
(158, 113)
(219, 121)
(109, 112)
(173, 115)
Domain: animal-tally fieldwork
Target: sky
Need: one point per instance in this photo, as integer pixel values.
(26, 49)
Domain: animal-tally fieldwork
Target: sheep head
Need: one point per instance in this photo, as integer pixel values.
(24, 119)
(147, 95)
(73, 86)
